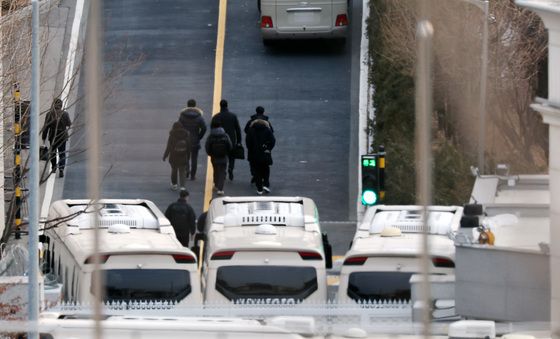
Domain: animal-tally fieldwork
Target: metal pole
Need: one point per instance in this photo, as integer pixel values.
(482, 101)
(33, 227)
(93, 116)
(2, 209)
(17, 161)
(424, 36)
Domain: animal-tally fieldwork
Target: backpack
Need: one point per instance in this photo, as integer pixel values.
(220, 147)
(181, 146)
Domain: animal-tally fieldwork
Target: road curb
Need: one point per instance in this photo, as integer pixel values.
(365, 101)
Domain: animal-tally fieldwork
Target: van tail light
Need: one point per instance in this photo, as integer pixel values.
(102, 259)
(223, 255)
(310, 255)
(341, 20)
(266, 21)
(184, 259)
(354, 261)
(443, 262)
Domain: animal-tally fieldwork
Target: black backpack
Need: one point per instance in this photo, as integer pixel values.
(181, 146)
(219, 147)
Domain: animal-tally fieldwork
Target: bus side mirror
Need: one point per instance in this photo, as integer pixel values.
(328, 250)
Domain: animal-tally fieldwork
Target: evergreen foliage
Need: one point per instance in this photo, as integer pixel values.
(393, 127)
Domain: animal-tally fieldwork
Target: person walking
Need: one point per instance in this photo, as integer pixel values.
(231, 125)
(57, 123)
(259, 115)
(218, 147)
(182, 217)
(178, 150)
(192, 120)
(260, 142)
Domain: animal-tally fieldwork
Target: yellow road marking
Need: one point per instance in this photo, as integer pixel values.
(218, 67)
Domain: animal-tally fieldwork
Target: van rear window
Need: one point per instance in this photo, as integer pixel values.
(369, 286)
(245, 283)
(146, 285)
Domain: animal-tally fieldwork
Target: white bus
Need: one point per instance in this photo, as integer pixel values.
(264, 249)
(386, 251)
(141, 257)
(295, 19)
(57, 325)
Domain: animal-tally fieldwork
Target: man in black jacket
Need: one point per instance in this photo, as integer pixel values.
(230, 124)
(192, 120)
(57, 123)
(258, 116)
(260, 142)
(182, 218)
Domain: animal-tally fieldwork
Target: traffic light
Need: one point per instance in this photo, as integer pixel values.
(370, 180)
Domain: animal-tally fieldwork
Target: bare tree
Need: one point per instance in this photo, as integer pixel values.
(15, 53)
(518, 47)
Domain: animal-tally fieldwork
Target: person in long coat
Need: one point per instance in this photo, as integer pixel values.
(259, 115)
(178, 150)
(192, 120)
(260, 142)
(57, 123)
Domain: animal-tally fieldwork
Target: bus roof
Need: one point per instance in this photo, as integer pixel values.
(125, 225)
(264, 223)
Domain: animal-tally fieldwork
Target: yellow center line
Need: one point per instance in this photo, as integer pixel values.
(217, 92)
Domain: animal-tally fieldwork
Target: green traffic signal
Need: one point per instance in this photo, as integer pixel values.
(368, 162)
(369, 197)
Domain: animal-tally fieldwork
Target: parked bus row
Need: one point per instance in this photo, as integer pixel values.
(257, 249)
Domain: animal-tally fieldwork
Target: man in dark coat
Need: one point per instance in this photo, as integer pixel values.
(178, 150)
(259, 115)
(182, 218)
(218, 146)
(192, 120)
(231, 125)
(57, 123)
(260, 142)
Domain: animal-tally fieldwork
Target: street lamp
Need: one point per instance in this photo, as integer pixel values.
(483, 5)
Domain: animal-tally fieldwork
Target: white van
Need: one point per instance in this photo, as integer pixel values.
(386, 251)
(296, 19)
(141, 257)
(264, 249)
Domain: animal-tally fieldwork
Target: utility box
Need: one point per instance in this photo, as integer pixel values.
(509, 281)
(502, 284)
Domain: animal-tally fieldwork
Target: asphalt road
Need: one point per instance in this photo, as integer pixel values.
(167, 50)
